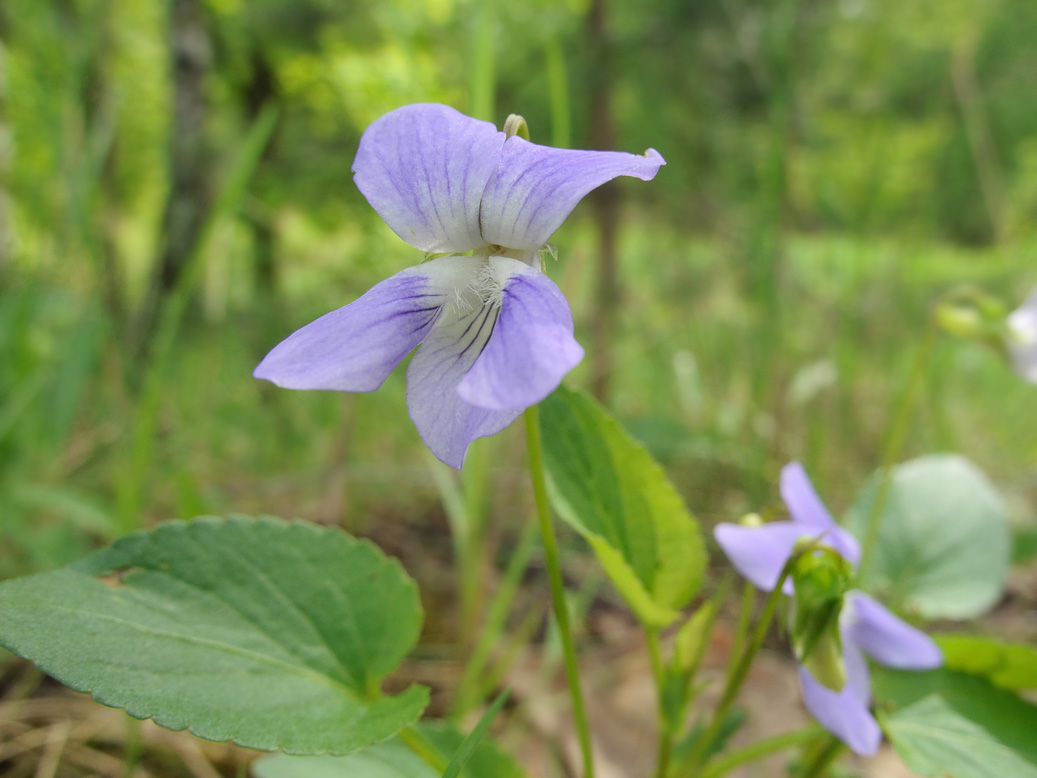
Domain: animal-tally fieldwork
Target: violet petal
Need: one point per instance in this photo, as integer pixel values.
(844, 713)
(423, 168)
(886, 638)
(532, 346)
(760, 553)
(807, 508)
(1022, 338)
(354, 348)
(536, 187)
(446, 422)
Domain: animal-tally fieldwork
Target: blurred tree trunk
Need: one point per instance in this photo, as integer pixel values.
(190, 189)
(260, 91)
(605, 202)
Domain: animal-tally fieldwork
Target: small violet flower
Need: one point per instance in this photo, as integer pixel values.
(865, 626)
(495, 333)
(1022, 338)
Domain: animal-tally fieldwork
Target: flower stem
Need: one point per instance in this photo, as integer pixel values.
(736, 677)
(758, 750)
(665, 747)
(895, 442)
(554, 575)
(829, 750)
(417, 743)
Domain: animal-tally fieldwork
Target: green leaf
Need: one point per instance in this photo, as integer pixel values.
(274, 635)
(608, 488)
(394, 760)
(943, 546)
(949, 724)
(1011, 666)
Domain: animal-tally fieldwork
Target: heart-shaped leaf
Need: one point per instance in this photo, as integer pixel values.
(274, 635)
(953, 725)
(943, 545)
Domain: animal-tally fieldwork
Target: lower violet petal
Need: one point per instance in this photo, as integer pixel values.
(446, 422)
(842, 713)
(354, 348)
(532, 346)
(886, 638)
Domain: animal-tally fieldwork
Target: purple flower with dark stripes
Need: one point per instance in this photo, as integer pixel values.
(1022, 338)
(495, 333)
(865, 626)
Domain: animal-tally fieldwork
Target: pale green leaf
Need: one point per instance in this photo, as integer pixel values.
(607, 487)
(1008, 665)
(274, 635)
(949, 724)
(943, 547)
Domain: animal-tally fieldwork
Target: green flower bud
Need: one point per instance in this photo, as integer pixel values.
(820, 578)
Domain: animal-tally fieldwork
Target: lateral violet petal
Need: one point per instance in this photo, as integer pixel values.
(532, 346)
(424, 168)
(446, 422)
(842, 713)
(886, 638)
(536, 187)
(760, 553)
(354, 348)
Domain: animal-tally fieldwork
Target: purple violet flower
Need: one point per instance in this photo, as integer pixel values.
(495, 333)
(1022, 338)
(865, 626)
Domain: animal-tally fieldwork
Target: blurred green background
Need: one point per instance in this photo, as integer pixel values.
(175, 198)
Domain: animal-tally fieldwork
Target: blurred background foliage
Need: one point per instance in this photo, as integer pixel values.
(176, 197)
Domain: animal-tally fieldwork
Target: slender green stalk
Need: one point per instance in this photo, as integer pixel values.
(132, 756)
(895, 441)
(758, 750)
(665, 746)
(736, 676)
(558, 89)
(830, 750)
(493, 629)
(417, 743)
(554, 574)
(483, 61)
(745, 616)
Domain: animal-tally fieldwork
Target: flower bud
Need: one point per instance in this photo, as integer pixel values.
(820, 579)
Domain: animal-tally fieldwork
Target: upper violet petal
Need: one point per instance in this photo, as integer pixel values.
(536, 187)
(886, 638)
(806, 508)
(423, 168)
(1022, 338)
(802, 500)
(842, 713)
(760, 553)
(354, 348)
(446, 422)
(532, 346)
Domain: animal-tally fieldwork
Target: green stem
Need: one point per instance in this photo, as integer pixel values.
(745, 616)
(736, 676)
(665, 746)
(554, 574)
(758, 750)
(895, 442)
(828, 752)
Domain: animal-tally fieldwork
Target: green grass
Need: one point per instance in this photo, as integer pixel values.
(852, 313)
